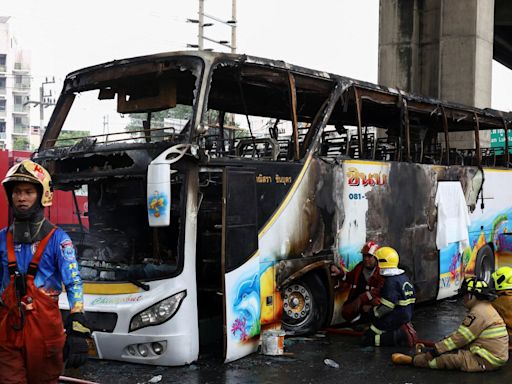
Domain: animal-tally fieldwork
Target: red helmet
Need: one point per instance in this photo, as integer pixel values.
(370, 248)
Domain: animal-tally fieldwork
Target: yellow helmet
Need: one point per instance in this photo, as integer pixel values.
(29, 172)
(387, 257)
(477, 287)
(502, 278)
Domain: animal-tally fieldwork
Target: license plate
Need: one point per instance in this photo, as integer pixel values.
(91, 345)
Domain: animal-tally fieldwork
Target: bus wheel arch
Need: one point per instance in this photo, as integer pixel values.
(305, 304)
(484, 263)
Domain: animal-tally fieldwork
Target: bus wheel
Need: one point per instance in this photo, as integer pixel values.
(304, 305)
(484, 266)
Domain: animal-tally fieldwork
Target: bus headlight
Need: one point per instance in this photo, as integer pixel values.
(158, 313)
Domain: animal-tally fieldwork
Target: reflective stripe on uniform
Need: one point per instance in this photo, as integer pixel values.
(405, 303)
(432, 364)
(495, 332)
(484, 353)
(376, 330)
(387, 303)
(450, 345)
(466, 332)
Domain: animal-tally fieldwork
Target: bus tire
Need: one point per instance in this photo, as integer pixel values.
(304, 305)
(484, 265)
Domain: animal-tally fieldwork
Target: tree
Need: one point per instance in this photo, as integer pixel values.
(181, 112)
(69, 138)
(20, 143)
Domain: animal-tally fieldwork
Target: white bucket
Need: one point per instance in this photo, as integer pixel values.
(272, 342)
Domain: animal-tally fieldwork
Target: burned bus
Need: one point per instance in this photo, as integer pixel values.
(220, 188)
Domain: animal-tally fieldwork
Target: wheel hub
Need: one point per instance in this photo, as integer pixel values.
(297, 302)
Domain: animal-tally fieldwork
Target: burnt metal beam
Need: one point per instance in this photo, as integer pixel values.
(477, 141)
(359, 128)
(446, 135)
(293, 105)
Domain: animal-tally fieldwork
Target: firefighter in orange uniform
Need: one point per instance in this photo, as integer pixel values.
(36, 260)
(365, 284)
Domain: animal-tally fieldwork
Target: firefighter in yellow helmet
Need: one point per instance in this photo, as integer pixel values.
(503, 304)
(391, 319)
(479, 344)
(36, 260)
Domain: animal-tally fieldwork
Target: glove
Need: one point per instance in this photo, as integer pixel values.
(76, 348)
(335, 271)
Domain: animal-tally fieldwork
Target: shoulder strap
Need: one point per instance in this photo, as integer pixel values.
(32, 267)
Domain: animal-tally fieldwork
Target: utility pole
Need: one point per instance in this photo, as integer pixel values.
(44, 101)
(201, 25)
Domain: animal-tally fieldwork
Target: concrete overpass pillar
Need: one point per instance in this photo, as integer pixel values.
(438, 48)
(442, 49)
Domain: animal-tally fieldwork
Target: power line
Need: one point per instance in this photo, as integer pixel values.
(232, 23)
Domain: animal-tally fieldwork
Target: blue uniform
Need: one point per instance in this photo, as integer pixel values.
(58, 266)
(398, 295)
(391, 320)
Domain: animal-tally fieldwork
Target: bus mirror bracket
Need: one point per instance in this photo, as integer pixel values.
(159, 185)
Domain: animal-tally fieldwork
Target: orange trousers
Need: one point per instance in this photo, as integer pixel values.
(32, 354)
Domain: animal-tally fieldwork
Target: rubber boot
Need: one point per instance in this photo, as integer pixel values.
(401, 359)
(419, 348)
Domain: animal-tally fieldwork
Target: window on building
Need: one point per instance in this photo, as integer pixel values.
(18, 120)
(2, 105)
(2, 126)
(2, 83)
(2, 59)
(18, 100)
(19, 79)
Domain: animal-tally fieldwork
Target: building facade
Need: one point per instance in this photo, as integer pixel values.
(15, 83)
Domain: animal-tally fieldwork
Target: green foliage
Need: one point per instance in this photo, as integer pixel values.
(68, 138)
(182, 112)
(20, 143)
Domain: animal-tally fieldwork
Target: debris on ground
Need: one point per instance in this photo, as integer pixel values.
(331, 363)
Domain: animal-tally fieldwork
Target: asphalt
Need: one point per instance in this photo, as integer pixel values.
(304, 361)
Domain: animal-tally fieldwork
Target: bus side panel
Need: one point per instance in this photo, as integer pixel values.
(242, 310)
(241, 267)
(390, 202)
(492, 224)
(295, 231)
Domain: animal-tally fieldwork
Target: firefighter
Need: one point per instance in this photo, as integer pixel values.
(503, 304)
(36, 259)
(479, 344)
(391, 319)
(365, 284)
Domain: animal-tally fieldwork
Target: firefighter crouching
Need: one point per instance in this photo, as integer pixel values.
(503, 303)
(365, 283)
(36, 259)
(479, 344)
(391, 319)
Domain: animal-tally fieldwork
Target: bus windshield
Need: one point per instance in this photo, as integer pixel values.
(153, 104)
(110, 242)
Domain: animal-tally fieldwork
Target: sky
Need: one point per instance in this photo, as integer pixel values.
(336, 36)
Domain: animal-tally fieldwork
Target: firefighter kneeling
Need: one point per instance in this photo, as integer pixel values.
(36, 259)
(479, 344)
(391, 319)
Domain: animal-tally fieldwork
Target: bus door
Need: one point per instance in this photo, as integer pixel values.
(240, 263)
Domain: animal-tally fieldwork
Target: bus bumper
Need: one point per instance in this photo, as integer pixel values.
(168, 350)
